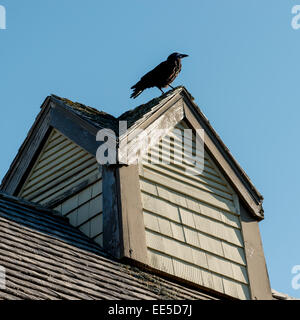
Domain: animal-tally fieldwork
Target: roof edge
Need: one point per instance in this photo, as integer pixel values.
(44, 109)
(235, 165)
(28, 204)
(281, 296)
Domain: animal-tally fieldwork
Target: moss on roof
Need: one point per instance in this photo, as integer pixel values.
(95, 117)
(135, 114)
(83, 108)
(100, 118)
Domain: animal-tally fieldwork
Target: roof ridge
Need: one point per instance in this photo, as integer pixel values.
(81, 106)
(153, 102)
(123, 116)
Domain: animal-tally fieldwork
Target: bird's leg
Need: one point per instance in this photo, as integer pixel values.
(171, 86)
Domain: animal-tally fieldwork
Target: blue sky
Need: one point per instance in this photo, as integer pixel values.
(243, 70)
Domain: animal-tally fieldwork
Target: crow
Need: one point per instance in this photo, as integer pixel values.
(161, 76)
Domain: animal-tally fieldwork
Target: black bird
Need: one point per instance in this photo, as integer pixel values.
(161, 76)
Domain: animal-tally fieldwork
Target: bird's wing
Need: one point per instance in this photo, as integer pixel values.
(156, 73)
(152, 78)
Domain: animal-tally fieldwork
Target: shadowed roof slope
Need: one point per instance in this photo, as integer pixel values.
(46, 258)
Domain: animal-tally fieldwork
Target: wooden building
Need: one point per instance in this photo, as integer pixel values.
(74, 229)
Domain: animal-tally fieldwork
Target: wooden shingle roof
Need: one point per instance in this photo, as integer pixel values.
(46, 258)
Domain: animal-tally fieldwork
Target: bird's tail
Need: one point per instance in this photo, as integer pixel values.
(136, 91)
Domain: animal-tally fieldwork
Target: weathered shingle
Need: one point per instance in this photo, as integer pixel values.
(135, 115)
(99, 119)
(104, 120)
(46, 258)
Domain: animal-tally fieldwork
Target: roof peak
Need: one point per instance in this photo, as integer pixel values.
(101, 118)
(82, 107)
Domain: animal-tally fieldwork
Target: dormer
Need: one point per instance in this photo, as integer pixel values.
(196, 224)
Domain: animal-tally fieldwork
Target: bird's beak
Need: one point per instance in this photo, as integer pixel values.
(183, 56)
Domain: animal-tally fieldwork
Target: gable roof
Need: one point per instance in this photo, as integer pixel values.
(58, 111)
(46, 258)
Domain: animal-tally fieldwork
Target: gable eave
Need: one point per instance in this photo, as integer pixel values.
(222, 145)
(224, 150)
(245, 187)
(53, 115)
(41, 121)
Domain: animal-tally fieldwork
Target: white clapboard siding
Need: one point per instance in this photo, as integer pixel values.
(63, 166)
(192, 222)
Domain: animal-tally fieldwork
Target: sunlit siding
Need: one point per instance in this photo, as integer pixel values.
(61, 168)
(192, 222)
